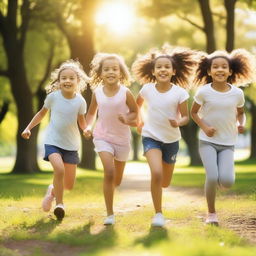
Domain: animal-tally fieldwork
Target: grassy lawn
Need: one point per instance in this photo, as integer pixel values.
(26, 230)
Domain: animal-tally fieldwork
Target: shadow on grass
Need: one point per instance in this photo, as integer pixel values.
(104, 238)
(81, 238)
(155, 235)
(42, 227)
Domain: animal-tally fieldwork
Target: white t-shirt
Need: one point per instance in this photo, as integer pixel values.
(62, 130)
(219, 110)
(162, 107)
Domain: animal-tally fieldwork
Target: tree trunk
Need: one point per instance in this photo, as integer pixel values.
(4, 110)
(13, 42)
(189, 134)
(135, 144)
(26, 155)
(253, 131)
(230, 24)
(208, 25)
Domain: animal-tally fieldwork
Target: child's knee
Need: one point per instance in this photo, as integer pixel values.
(227, 183)
(212, 181)
(59, 172)
(157, 178)
(165, 184)
(69, 186)
(117, 183)
(109, 175)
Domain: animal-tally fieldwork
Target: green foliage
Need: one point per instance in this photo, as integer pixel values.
(7, 135)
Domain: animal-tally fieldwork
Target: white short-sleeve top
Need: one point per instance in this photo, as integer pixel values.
(62, 130)
(162, 107)
(219, 110)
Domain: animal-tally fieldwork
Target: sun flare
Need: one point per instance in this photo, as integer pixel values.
(118, 17)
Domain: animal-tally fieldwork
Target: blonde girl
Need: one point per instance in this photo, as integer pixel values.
(165, 77)
(221, 117)
(62, 140)
(117, 110)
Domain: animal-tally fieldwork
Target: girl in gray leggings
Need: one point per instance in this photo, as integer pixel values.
(221, 117)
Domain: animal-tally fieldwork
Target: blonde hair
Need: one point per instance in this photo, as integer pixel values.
(96, 69)
(76, 66)
(240, 61)
(183, 60)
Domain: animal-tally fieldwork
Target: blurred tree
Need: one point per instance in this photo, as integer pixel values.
(20, 53)
(4, 109)
(230, 24)
(14, 21)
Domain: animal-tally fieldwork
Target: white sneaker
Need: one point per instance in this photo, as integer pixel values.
(59, 211)
(158, 220)
(48, 199)
(110, 220)
(212, 219)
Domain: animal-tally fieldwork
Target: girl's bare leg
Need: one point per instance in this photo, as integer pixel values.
(107, 160)
(58, 178)
(154, 158)
(119, 170)
(167, 174)
(70, 175)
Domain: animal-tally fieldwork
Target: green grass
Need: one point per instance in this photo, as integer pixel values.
(185, 234)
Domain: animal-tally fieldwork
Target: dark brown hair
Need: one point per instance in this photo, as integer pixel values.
(240, 61)
(183, 61)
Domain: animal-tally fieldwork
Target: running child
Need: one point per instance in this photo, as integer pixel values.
(62, 140)
(117, 109)
(165, 75)
(218, 110)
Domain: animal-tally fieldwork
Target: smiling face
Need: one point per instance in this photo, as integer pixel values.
(68, 80)
(110, 71)
(163, 70)
(220, 70)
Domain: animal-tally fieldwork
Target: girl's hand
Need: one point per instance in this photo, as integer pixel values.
(139, 128)
(122, 119)
(174, 123)
(240, 129)
(87, 133)
(209, 131)
(26, 134)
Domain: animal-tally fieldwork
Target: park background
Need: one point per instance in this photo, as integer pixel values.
(35, 37)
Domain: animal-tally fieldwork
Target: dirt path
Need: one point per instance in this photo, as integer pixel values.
(135, 191)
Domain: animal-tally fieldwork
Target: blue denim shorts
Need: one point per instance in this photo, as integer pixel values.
(169, 150)
(68, 156)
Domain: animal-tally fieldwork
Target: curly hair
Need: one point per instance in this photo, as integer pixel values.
(183, 60)
(96, 69)
(241, 63)
(76, 66)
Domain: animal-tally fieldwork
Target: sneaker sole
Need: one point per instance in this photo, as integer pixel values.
(157, 226)
(216, 224)
(59, 213)
(108, 224)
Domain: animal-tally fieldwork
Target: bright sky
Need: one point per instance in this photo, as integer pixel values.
(118, 17)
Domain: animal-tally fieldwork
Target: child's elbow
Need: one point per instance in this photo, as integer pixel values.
(186, 121)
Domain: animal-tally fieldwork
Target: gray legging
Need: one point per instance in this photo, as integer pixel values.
(218, 161)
